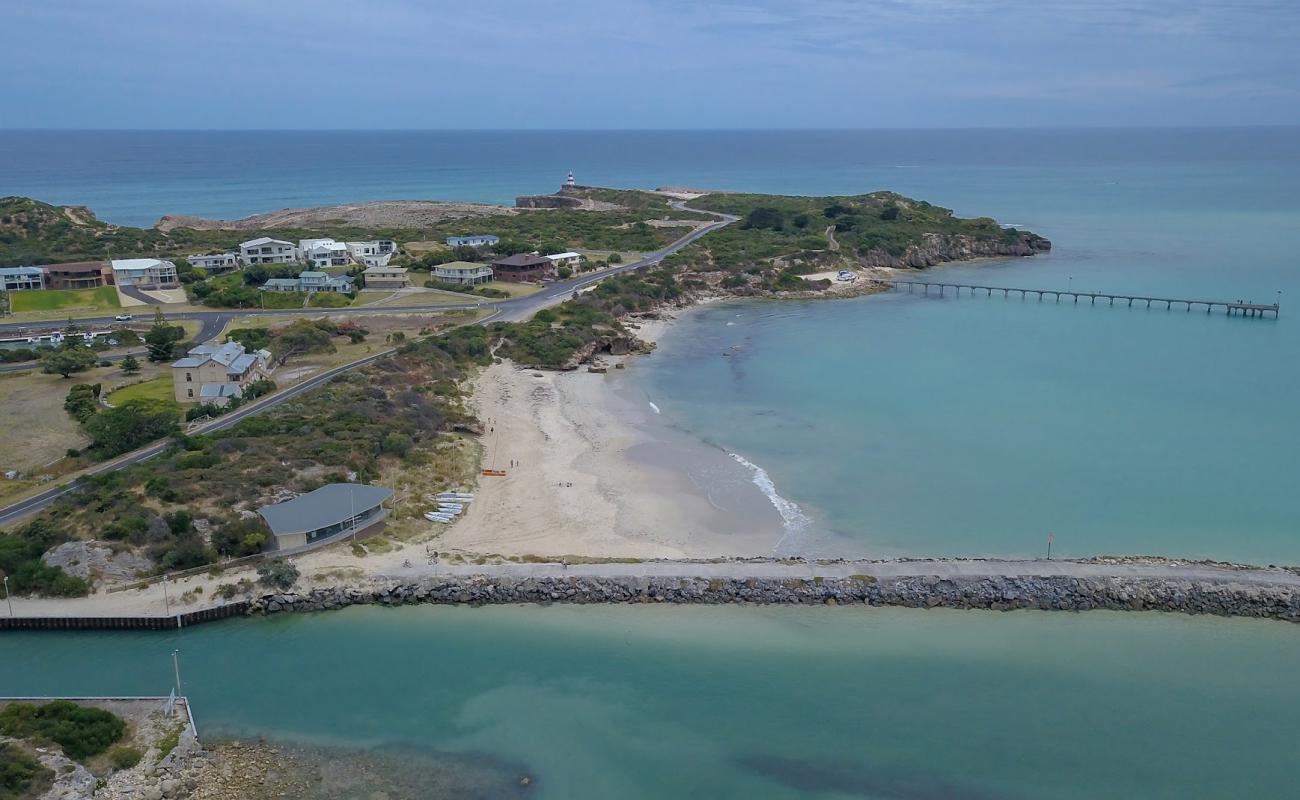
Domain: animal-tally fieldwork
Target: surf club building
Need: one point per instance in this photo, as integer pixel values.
(331, 512)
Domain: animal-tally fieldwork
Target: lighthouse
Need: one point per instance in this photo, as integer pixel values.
(569, 181)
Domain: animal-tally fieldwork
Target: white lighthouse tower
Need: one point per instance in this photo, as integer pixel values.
(569, 181)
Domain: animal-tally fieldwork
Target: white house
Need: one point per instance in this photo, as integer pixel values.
(215, 264)
(149, 273)
(321, 253)
(17, 279)
(310, 281)
(473, 240)
(569, 259)
(465, 273)
(265, 250)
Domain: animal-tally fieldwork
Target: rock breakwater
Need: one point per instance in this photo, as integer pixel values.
(999, 593)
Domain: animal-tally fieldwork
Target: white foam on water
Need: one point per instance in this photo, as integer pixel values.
(794, 521)
(654, 408)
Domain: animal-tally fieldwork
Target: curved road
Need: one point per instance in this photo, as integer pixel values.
(214, 322)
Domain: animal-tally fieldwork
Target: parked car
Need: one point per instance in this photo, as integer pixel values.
(124, 318)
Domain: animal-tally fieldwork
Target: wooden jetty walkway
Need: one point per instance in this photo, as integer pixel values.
(1232, 307)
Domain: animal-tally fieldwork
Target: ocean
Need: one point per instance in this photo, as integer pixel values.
(888, 425)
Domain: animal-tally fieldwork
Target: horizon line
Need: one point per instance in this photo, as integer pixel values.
(1245, 126)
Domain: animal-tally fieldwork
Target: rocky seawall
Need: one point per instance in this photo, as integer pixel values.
(1054, 593)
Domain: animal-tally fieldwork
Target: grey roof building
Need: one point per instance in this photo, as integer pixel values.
(333, 509)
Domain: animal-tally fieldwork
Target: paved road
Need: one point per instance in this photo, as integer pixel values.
(214, 322)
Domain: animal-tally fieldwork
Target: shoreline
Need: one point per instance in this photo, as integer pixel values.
(592, 472)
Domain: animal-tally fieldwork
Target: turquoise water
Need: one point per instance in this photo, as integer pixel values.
(743, 701)
(925, 426)
(899, 424)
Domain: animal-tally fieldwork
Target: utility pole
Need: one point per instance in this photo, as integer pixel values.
(176, 665)
(167, 601)
(7, 600)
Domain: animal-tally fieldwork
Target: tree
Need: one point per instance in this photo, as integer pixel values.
(162, 338)
(82, 401)
(277, 574)
(134, 423)
(614, 258)
(764, 217)
(130, 365)
(67, 360)
(242, 537)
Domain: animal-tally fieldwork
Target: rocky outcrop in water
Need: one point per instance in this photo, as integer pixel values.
(1055, 593)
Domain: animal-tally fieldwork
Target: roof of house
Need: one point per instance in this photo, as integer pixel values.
(484, 236)
(384, 270)
(212, 391)
(311, 273)
(566, 255)
(212, 255)
(128, 264)
(77, 266)
(328, 505)
(232, 355)
(462, 266)
(522, 260)
(281, 282)
(326, 244)
(21, 271)
(261, 240)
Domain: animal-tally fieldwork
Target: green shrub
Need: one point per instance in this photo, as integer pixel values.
(21, 775)
(82, 732)
(123, 757)
(277, 574)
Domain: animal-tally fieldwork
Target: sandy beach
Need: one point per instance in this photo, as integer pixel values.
(588, 473)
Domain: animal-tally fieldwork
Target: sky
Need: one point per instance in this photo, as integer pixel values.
(601, 64)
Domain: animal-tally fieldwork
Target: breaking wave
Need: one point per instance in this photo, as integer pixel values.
(793, 520)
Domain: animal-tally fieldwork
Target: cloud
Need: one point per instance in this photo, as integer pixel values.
(647, 63)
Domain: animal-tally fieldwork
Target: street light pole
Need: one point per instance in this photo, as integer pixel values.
(7, 599)
(167, 601)
(176, 665)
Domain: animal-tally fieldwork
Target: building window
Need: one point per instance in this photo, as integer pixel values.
(188, 377)
(189, 392)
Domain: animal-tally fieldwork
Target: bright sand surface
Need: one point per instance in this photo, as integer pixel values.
(590, 471)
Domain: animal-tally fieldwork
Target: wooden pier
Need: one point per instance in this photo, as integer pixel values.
(1231, 307)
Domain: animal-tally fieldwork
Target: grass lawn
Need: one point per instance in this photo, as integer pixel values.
(159, 388)
(98, 299)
